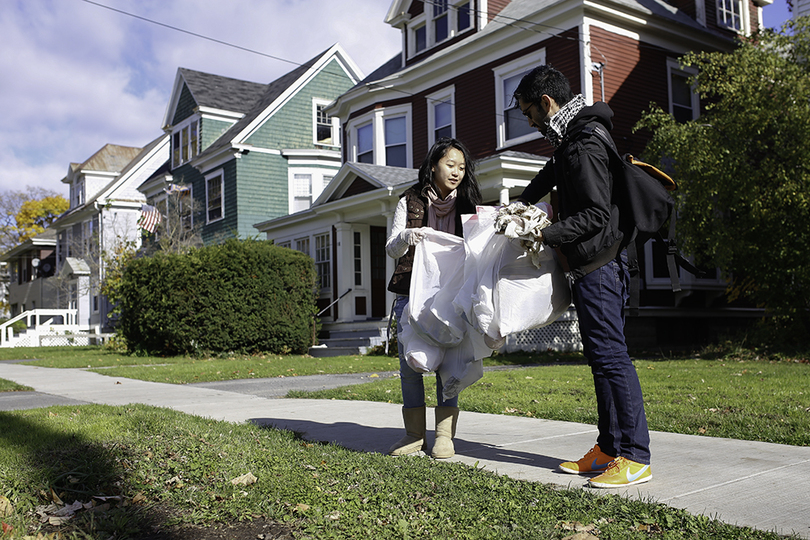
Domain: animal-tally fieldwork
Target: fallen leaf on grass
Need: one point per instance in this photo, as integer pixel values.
(6, 508)
(244, 480)
(301, 507)
(6, 527)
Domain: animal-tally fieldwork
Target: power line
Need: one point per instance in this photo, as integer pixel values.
(201, 36)
(500, 18)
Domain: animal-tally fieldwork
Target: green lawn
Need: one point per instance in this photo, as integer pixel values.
(165, 469)
(139, 469)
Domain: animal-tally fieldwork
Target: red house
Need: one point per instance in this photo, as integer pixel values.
(460, 62)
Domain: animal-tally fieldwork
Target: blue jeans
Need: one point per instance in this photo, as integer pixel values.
(413, 386)
(599, 298)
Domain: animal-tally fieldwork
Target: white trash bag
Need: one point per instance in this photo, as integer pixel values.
(505, 291)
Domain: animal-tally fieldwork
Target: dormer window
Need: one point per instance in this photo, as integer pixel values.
(440, 21)
(325, 127)
(185, 142)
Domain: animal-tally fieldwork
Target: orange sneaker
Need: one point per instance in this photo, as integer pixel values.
(622, 472)
(595, 461)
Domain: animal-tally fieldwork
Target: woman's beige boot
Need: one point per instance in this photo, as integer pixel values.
(446, 420)
(414, 439)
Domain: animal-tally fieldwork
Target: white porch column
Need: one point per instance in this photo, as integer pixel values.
(390, 264)
(345, 271)
(504, 200)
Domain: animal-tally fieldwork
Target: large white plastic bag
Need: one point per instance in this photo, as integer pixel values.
(526, 297)
(435, 336)
(421, 356)
(503, 291)
(438, 271)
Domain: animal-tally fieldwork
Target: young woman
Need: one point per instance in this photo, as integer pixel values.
(447, 188)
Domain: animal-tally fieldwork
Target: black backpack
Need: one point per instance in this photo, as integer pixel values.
(641, 192)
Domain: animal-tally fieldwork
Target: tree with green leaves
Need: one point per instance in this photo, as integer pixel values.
(743, 168)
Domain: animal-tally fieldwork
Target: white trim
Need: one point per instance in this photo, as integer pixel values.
(210, 113)
(211, 176)
(501, 73)
(445, 95)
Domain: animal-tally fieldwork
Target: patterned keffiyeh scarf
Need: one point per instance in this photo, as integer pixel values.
(558, 124)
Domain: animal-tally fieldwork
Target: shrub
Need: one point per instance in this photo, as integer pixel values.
(243, 296)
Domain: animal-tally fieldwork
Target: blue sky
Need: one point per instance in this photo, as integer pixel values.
(76, 76)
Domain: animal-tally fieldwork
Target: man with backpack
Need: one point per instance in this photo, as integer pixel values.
(589, 236)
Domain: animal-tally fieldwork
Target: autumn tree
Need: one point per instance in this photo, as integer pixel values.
(26, 213)
(744, 170)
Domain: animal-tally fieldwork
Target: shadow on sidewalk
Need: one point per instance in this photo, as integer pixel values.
(378, 439)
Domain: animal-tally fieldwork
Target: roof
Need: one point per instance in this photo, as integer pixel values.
(74, 266)
(111, 158)
(257, 105)
(386, 175)
(220, 92)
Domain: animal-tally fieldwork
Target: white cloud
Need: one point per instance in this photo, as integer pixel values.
(77, 76)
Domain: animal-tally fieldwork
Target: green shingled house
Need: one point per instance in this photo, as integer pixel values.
(249, 152)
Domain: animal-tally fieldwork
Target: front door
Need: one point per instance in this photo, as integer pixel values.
(378, 278)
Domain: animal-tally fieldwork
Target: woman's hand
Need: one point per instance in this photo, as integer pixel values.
(414, 236)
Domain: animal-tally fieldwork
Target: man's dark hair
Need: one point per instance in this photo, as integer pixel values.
(541, 80)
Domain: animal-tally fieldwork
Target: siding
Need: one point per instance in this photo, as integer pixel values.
(635, 76)
(211, 130)
(263, 190)
(185, 106)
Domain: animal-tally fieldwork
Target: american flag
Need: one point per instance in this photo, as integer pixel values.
(150, 218)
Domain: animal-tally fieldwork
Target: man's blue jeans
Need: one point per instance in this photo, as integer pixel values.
(599, 298)
(413, 386)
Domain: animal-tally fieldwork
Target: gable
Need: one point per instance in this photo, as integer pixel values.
(185, 105)
(358, 186)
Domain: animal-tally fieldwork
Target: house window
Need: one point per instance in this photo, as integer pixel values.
(441, 21)
(396, 142)
(512, 125)
(382, 137)
(185, 143)
(365, 144)
(302, 198)
(729, 14)
(463, 11)
(286, 244)
(420, 39)
(684, 102)
(213, 196)
(326, 131)
(447, 19)
(322, 260)
(302, 245)
(358, 259)
(441, 115)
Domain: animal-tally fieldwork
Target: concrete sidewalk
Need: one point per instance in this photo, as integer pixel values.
(760, 485)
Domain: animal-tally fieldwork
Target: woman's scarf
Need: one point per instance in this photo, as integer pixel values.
(442, 212)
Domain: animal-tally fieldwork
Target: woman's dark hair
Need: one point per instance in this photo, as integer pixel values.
(467, 192)
(544, 79)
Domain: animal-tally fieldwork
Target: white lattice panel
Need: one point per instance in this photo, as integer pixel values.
(561, 335)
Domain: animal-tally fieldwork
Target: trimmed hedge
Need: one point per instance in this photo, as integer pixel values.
(243, 296)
